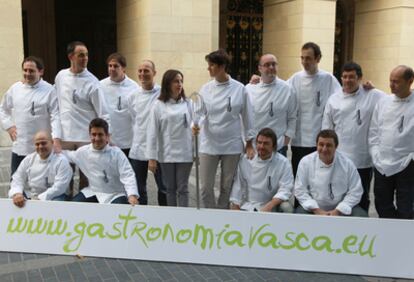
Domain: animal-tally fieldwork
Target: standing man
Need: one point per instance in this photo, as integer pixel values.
(391, 145)
(264, 183)
(80, 100)
(327, 182)
(227, 124)
(42, 175)
(141, 104)
(274, 105)
(111, 178)
(349, 113)
(118, 89)
(27, 107)
(312, 88)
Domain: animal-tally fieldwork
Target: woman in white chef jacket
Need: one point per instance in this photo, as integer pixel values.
(169, 138)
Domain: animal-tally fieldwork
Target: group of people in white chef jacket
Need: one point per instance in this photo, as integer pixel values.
(338, 136)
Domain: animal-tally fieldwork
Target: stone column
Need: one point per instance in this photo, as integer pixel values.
(11, 50)
(173, 33)
(288, 24)
(384, 38)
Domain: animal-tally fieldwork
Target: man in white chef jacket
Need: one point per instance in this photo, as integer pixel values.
(42, 175)
(29, 106)
(111, 178)
(264, 183)
(81, 99)
(140, 106)
(349, 113)
(312, 88)
(391, 145)
(273, 103)
(118, 89)
(327, 182)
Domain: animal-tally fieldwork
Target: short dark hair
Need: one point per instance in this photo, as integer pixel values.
(117, 57)
(72, 46)
(167, 79)
(408, 72)
(219, 57)
(99, 123)
(328, 133)
(269, 133)
(38, 62)
(315, 47)
(352, 66)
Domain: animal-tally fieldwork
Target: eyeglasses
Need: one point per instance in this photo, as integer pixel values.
(401, 126)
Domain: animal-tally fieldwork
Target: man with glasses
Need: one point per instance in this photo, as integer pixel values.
(274, 105)
(391, 145)
(29, 106)
(349, 113)
(327, 182)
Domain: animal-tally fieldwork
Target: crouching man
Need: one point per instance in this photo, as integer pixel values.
(264, 183)
(111, 178)
(327, 182)
(42, 175)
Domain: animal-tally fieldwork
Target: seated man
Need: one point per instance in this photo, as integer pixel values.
(264, 183)
(327, 182)
(41, 175)
(110, 175)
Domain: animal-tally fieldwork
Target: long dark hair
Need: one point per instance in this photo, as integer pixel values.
(167, 79)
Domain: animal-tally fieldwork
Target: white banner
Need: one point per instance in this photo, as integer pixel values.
(364, 246)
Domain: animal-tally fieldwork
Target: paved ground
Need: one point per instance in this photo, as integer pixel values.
(35, 267)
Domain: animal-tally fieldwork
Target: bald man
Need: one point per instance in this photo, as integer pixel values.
(42, 175)
(391, 146)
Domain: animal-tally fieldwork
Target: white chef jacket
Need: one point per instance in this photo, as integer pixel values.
(31, 108)
(258, 181)
(227, 106)
(312, 92)
(140, 106)
(46, 179)
(117, 97)
(349, 114)
(109, 172)
(169, 137)
(391, 134)
(80, 100)
(274, 106)
(335, 186)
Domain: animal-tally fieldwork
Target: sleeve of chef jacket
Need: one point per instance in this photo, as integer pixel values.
(285, 184)
(373, 134)
(353, 196)
(126, 174)
(153, 131)
(239, 184)
(327, 120)
(19, 178)
(54, 115)
(63, 176)
(99, 104)
(6, 110)
(292, 115)
(301, 191)
(247, 117)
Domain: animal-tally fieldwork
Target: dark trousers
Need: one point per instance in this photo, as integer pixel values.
(402, 185)
(126, 152)
(283, 151)
(15, 162)
(141, 174)
(297, 154)
(80, 197)
(366, 175)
